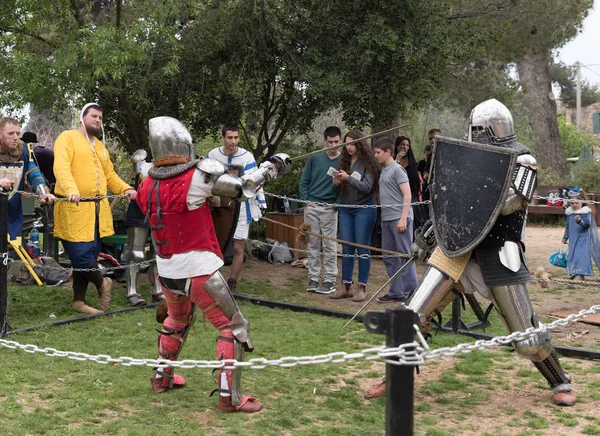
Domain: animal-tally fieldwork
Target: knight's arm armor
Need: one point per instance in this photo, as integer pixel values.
(247, 186)
(523, 185)
(424, 242)
(140, 165)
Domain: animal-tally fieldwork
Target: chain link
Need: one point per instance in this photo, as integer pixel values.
(505, 340)
(94, 198)
(350, 206)
(7, 260)
(412, 353)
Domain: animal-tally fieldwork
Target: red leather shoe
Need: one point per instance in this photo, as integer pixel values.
(161, 384)
(376, 391)
(249, 405)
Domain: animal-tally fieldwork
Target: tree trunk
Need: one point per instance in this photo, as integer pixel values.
(534, 75)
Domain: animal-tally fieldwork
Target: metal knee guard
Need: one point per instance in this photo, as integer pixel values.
(514, 307)
(433, 294)
(217, 287)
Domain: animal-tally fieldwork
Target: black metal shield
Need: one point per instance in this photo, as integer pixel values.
(469, 183)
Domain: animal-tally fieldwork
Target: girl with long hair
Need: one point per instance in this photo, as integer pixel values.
(356, 182)
(406, 158)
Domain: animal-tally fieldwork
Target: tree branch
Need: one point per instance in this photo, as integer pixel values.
(77, 13)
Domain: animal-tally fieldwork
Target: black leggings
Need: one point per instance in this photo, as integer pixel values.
(81, 279)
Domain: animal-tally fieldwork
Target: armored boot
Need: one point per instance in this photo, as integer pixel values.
(170, 342)
(229, 379)
(134, 252)
(157, 293)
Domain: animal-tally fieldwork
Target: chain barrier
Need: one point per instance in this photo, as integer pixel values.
(349, 206)
(38, 196)
(382, 206)
(7, 260)
(412, 353)
(505, 340)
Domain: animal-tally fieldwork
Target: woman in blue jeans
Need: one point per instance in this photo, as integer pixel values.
(356, 184)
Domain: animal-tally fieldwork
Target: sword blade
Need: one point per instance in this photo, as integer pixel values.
(312, 153)
(408, 262)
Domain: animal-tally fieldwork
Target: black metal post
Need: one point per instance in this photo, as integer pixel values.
(397, 325)
(3, 267)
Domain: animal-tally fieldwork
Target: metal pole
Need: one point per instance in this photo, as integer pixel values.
(578, 100)
(400, 381)
(3, 266)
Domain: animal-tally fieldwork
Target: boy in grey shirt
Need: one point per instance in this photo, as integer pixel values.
(396, 222)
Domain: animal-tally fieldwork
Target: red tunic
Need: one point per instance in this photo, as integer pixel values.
(177, 229)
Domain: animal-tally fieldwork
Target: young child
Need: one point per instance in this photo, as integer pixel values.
(396, 222)
(581, 234)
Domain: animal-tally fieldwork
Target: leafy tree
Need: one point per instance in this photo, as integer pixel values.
(565, 77)
(525, 33)
(573, 140)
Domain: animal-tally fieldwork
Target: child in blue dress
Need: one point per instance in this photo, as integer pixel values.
(582, 236)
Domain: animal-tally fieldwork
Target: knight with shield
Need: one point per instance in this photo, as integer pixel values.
(480, 189)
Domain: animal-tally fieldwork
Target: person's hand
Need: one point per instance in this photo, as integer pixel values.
(130, 194)
(401, 225)
(341, 175)
(564, 241)
(426, 175)
(74, 198)
(5, 184)
(577, 219)
(336, 181)
(47, 199)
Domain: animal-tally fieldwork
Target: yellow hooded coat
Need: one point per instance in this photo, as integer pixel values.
(85, 170)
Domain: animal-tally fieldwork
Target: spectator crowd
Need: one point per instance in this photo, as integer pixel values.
(342, 187)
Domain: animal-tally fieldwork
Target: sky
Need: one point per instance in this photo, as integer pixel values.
(584, 47)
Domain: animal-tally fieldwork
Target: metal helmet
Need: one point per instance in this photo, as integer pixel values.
(170, 142)
(494, 120)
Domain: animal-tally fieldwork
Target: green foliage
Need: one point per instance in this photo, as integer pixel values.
(573, 140)
(588, 178)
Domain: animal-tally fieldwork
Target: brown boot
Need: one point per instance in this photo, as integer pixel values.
(565, 398)
(104, 293)
(249, 405)
(344, 292)
(81, 307)
(360, 294)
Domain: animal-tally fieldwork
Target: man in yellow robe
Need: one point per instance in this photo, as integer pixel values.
(83, 169)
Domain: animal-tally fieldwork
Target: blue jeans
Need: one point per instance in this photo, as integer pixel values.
(356, 225)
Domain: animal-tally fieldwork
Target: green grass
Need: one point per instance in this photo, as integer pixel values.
(57, 396)
(47, 396)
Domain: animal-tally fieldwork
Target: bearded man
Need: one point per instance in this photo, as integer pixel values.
(15, 163)
(83, 169)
